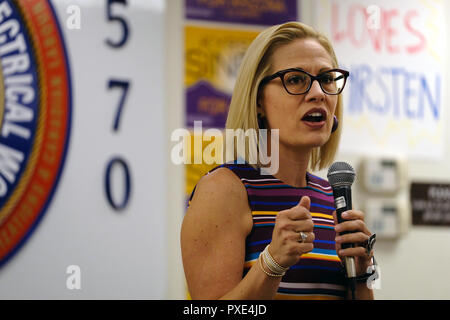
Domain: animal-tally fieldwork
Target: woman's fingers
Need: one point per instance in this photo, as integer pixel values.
(353, 222)
(353, 215)
(352, 226)
(287, 242)
(353, 252)
(352, 229)
(355, 237)
(301, 210)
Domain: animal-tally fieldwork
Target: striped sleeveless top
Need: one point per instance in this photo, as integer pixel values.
(319, 273)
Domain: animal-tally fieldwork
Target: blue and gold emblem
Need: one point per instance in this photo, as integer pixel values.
(35, 114)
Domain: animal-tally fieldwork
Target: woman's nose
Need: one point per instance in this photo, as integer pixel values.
(315, 92)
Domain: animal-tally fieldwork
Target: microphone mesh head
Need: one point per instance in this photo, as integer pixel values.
(341, 174)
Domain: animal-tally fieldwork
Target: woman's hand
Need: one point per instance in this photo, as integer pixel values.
(285, 247)
(354, 223)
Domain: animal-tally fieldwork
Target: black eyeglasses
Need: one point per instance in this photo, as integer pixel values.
(297, 81)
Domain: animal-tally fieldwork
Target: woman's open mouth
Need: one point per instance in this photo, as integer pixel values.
(315, 118)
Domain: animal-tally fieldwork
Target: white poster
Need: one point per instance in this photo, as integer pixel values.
(395, 52)
(83, 152)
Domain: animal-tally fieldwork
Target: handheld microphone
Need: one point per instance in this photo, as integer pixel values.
(341, 176)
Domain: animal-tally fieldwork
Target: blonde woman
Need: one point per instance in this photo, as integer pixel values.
(251, 235)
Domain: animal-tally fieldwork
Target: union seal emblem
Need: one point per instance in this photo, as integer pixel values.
(35, 114)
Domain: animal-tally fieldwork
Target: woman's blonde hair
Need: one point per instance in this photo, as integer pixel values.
(256, 65)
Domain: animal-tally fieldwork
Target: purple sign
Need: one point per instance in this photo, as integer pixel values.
(261, 12)
(206, 104)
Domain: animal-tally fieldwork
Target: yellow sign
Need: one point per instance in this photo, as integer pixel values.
(214, 55)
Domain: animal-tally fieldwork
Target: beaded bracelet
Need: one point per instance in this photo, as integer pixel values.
(272, 264)
(275, 269)
(262, 268)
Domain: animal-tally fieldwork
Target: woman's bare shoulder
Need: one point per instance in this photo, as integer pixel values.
(220, 195)
(222, 185)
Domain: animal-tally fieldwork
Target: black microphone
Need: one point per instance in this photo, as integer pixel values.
(341, 176)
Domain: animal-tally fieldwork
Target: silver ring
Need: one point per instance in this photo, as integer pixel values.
(302, 237)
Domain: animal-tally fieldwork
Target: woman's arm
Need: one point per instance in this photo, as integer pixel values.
(213, 241)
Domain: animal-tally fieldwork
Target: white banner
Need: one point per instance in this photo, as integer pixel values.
(395, 52)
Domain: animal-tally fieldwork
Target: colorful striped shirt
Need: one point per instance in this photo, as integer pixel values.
(318, 274)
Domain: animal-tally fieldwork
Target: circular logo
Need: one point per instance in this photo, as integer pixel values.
(35, 112)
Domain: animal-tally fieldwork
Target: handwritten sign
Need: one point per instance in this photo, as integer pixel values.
(395, 53)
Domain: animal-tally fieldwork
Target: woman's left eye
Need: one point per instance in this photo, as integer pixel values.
(326, 78)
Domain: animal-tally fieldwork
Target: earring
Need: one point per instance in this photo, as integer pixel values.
(335, 124)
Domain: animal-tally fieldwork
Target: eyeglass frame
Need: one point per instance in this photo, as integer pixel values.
(282, 73)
